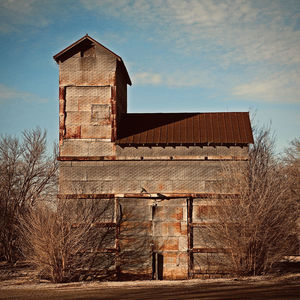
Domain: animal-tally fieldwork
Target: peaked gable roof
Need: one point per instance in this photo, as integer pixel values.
(85, 42)
(221, 128)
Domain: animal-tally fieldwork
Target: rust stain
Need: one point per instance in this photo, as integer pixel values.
(160, 212)
(170, 245)
(160, 186)
(113, 92)
(113, 118)
(164, 229)
(170, 258)
(205, 211)
(127, 241)
(62, 92)
(104, 122)
(62, 113)
(61, 105)
(73, 133)
(174, 228)
(183, 229)
(113, 131)
(113, 107)
(178, 215)
(133, 225)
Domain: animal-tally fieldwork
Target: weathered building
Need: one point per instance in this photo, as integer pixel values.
(159, 170)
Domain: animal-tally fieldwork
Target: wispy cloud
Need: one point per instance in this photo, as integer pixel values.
(246, 30)
(14, 14)
(146, 78)
(11, 94)
(277, 88)
(179, 78)
(249, 41)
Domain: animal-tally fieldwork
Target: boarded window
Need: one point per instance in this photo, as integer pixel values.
(100, 112)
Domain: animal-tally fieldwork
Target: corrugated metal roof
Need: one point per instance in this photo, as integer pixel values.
(222, 128)
(86, 41)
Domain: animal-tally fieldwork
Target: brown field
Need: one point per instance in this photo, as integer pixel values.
(18, 282)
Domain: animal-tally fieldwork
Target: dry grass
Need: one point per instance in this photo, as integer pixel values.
(284, 286)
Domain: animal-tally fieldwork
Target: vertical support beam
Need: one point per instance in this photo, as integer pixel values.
(62, 113)
(113, 113)
(153, 253)
(118, 219)
(189, 202)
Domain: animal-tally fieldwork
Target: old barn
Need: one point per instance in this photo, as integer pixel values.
(157, 171)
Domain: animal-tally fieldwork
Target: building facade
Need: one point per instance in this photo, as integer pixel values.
(158, 171)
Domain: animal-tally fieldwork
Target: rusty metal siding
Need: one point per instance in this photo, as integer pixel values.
(135, 237)
(175, 227)
(62, 114)
(88, 47)
(87, 112)
(160, 172)
(131, 176)
(169, 236)
(186, 129)
(80, 98)
(86, 147)
(149, 227)
(80, 71)
(192, 152)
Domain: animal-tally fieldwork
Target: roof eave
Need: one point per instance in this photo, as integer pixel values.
(126, 144)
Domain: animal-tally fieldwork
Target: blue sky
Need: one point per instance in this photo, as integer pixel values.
(182, 56)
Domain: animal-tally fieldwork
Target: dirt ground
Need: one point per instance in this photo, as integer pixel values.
(18, 283)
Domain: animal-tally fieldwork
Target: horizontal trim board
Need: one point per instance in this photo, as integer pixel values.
(145, 195)
(161, 158)
(139, 145)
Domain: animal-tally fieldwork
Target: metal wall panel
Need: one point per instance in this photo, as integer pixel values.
(88, 70)
(192, 151)
(86, 147)
(132, 176)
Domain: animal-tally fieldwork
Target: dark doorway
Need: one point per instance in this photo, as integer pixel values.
(157, 266)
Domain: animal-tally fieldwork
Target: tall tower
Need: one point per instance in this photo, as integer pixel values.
(92, 98)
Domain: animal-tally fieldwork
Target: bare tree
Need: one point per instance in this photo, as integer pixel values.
(27, 175)
(85, 239)
(74, 241)
(254, 228)
(291, 160)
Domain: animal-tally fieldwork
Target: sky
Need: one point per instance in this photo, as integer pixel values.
(182, 56)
